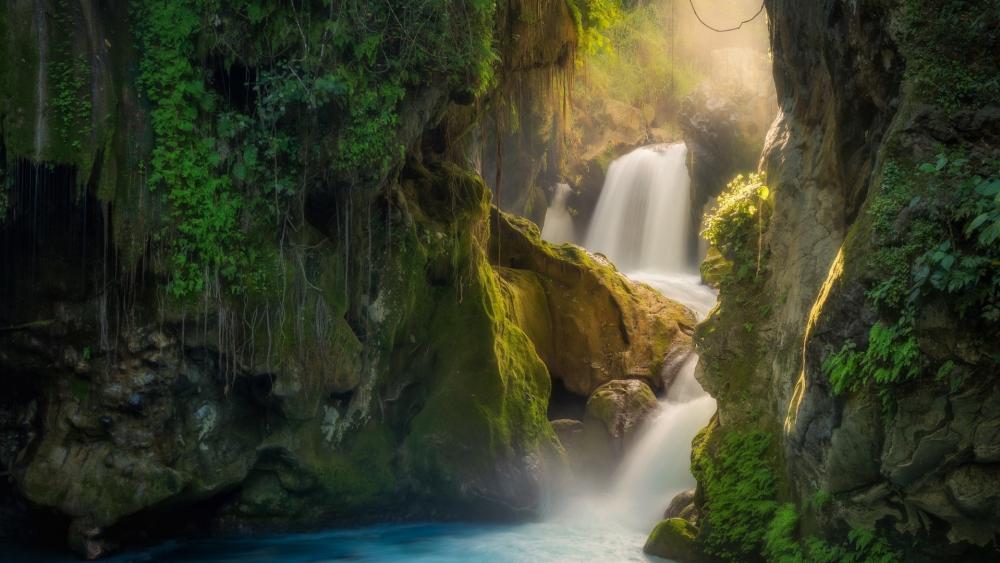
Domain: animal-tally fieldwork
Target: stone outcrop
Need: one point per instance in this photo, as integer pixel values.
(865, 98)
(675, 539)
(622, 407)
(569, 300)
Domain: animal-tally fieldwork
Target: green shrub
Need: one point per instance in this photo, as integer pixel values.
(737, 223)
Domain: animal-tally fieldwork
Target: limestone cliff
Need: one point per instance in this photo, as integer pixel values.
(855, 344)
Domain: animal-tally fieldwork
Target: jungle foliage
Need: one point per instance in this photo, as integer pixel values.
(230, 174)
(935, 227)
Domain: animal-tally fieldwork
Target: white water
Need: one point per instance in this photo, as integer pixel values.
(557, 227)
(642, 217)
(595, 527)
(641, 224)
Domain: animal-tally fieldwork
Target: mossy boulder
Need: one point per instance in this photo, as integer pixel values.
(677, 539)
(627, 329)
(622, 407)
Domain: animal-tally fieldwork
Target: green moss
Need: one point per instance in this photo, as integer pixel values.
(950, 49)
(364, 476)
(529, 305)
(780, 543)
(483, 393)
(489, 391)
(740, 489)
(674, 538)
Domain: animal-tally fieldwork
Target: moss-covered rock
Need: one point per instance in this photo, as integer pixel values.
(622, 407)
(714, 268)
(676, 539)
(626, 328)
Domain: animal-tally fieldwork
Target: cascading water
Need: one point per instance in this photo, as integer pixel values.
(642, 217)
(641, 224)
(557, 227)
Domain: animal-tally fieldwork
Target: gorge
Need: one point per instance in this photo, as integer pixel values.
(512, 280)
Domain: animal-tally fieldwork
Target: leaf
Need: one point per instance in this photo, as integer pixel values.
(942, 161)
(989, 189)
(947, 260)
(976, 223)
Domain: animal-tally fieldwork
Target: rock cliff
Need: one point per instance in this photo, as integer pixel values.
(855, 344)
(247, 272)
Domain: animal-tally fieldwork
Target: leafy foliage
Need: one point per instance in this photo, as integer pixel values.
(326, 86)
(892, 356)
(204, 240)
(935, 230)
(594, 18)
(950, 48)
(862, 546)
(737, 223)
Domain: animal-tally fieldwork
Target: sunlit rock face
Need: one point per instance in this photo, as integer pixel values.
(912, 462)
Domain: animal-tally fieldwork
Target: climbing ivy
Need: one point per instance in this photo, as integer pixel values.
(203, 237)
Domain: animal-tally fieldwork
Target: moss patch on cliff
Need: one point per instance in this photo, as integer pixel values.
(736, 473)
(951, 49)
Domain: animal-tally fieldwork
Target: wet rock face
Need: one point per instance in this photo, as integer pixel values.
(919, 470)
(112, 436)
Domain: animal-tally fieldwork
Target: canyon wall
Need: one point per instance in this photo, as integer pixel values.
(854, 347)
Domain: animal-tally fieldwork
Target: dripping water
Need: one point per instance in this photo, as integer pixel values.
(557, 227)
(41, 92)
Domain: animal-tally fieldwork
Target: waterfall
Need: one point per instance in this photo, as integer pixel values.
(557, 227)
(658, 466)
(642, 217)
(642, 224)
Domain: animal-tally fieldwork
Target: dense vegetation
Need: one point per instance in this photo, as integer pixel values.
(632, 61)
(229, 173)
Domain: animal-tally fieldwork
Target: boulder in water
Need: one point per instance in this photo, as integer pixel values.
(681, 506)
(622, 407)
(677, 539)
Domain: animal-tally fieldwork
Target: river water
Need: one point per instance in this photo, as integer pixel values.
(640, 224)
